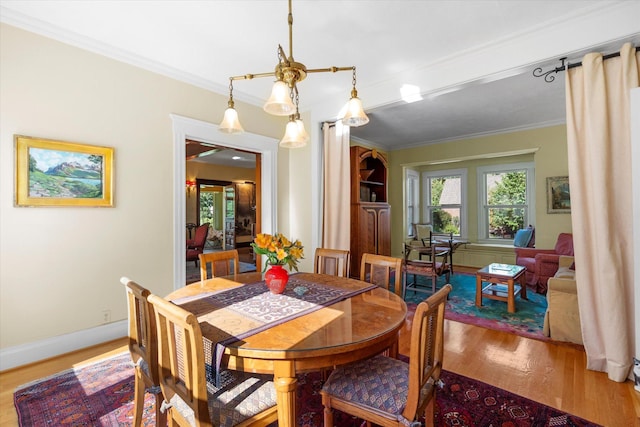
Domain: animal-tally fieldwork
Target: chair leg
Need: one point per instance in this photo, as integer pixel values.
(138, 398)
(328, 416)
(161, 417)
(429, 413)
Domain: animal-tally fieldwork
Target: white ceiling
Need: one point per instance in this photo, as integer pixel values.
(447, 48)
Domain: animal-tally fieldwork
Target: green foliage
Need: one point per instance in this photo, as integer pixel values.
(437, 185)
(33, 165)
(510, 189)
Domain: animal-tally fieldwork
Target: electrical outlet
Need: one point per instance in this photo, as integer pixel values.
(106, 316)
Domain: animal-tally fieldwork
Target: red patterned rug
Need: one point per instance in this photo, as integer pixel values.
(101, 394)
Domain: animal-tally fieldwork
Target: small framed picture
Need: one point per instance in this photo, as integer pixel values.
(57, 173)
(558, 195)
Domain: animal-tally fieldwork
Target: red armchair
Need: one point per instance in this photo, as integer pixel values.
(541, 264)
(195, 246)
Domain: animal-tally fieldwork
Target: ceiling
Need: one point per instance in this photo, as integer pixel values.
(471, 59)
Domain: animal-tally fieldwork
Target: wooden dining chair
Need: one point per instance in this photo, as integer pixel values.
(144, 351)
(383, 271)
(437, 265)
(191, 395)
(390, 392)
(223, 263)
(334, 262)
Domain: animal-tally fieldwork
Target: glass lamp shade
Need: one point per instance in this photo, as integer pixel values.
(355, 115)
(230, 122)
(279, 103)
(295, 135)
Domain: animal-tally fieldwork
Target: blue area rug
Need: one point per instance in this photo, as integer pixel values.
(527, 321)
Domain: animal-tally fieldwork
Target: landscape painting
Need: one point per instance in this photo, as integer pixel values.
(558, 195)
(56, 173)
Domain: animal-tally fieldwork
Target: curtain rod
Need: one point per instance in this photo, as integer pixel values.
(564, 66)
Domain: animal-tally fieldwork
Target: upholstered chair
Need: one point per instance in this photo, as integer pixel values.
(390, 392)
(195, 246)
(562, 319)
(144, 351)
(541, 264)
(331, 261)
(223, 263)
(241, 399)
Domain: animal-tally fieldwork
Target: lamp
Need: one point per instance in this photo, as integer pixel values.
(191, 185)
(285, 89)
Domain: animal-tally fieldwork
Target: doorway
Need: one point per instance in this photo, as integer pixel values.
(266, 216)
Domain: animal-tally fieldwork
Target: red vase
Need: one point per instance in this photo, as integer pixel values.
(276, 278)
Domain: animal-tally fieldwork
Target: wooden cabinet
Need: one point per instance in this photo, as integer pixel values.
(370, 212)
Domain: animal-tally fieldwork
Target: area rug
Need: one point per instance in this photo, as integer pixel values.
(101, 394)
(527, 321)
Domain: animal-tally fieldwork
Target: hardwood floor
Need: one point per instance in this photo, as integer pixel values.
(549, 373)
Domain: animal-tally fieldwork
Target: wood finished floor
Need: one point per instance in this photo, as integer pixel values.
(550, 373)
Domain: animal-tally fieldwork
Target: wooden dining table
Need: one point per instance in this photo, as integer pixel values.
(367, 321)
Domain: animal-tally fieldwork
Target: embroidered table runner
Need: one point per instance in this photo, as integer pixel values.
(233, 314)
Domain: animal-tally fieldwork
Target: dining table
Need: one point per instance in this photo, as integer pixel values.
(318, 322)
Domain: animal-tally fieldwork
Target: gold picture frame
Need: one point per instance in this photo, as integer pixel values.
(558, 195)
(58, 173)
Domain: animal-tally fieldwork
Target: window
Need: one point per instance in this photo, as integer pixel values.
(444, 200)
(413, 200)
(506, 201)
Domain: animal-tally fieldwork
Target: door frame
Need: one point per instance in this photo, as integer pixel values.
(187, 128)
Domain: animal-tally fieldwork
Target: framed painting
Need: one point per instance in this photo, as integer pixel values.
(558, 195)
(57, 173)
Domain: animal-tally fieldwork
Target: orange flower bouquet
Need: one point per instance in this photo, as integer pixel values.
(279, 250)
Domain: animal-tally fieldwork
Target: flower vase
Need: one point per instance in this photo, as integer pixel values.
(276, 278)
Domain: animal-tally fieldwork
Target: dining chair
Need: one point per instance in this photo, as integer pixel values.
(191, 395)
(332, 261)
(223, 263)
(390, 392)
(383, 271)
(437, 265)
(144, 351)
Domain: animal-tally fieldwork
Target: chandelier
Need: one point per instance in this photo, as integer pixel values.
(285, 97)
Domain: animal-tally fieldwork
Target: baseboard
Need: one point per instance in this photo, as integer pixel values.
(24, 354)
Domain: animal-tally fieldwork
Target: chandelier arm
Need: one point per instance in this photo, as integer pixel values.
(330, 69)
(252, 76)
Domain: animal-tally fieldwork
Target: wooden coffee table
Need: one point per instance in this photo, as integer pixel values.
(501, 287)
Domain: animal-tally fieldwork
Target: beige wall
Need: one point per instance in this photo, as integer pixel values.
(550, 158)
(60, 267)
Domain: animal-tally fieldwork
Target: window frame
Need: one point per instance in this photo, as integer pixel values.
(530, 199)
(412, 198)
(426, 195)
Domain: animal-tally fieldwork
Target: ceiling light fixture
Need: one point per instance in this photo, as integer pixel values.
(284, 96)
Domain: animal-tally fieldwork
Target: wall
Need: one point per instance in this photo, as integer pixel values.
(550, 159)
(60, 267)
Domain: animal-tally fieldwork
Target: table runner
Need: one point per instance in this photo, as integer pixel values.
(233, 314)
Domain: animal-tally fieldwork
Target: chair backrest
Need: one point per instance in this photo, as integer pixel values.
(223, 263)
(142, 328)
(331, 261)
(422, 231)
(382, 270)
(181, 359)
(427, 350)
(564, 245)
(200, 237)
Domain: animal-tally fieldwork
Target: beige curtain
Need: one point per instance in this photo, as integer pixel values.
(336, 225)
(599, 149)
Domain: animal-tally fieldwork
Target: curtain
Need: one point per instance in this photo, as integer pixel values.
(599, 151)
(336, 224)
